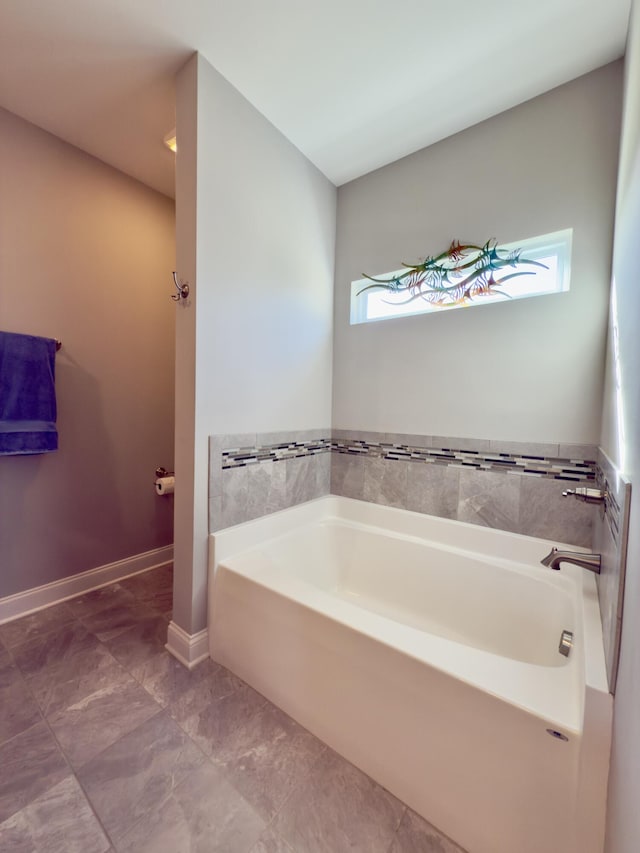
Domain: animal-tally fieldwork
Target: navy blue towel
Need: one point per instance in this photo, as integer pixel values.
(27, 395)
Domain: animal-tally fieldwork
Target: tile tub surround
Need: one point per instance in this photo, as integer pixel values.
(253, 474)
(610, 539)
(507, 485)
(211, 765)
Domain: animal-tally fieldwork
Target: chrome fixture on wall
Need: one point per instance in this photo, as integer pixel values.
(587, 561)
(590, 496)
(182, 287)
(566, 643)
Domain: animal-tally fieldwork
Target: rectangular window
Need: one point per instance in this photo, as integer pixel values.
(516, 279)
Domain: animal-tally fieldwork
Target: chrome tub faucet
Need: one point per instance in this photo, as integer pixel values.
(553, 559)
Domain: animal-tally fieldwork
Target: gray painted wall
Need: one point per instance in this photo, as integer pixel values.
(256, 236)
(529, 370)
(621, 440)
(86, 255)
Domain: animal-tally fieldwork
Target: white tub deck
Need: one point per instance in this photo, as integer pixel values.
(425, 651)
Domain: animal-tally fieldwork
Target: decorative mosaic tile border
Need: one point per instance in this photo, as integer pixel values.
(240, 457)
(551, 467)
(571, 470)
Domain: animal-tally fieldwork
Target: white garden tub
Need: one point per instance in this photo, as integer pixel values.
(425, 651)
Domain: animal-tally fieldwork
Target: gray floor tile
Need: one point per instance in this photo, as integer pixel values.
(215, 724)
(339, 808)
(58, 690)
(137, 772)
(30, 763)
(168, 681)
(100, 718)
(108, 623)
(416, 835)
(265, 754)
(147, 582)
(67, 649)
(204, 814)
(161, 601)
(59, 821)
(144, 640)
(218, 684)
(99, 599)
(154, 588)
(144, 770)
(13, 836)
(269, 842)
(18, 707)
(36, 625)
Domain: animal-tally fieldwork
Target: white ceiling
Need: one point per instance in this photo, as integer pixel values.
(354, 84)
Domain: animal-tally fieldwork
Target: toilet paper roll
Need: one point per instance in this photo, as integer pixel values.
(164, 485)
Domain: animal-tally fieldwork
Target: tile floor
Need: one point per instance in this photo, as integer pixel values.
(109, 745)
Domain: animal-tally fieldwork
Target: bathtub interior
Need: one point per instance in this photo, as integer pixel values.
(434, 588)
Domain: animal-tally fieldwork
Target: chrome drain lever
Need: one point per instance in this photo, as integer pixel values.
(566, 643)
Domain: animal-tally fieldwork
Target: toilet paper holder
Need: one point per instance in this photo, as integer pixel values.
(165, 481)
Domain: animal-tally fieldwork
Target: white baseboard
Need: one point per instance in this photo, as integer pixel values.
(189, 649)
(23, 603)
